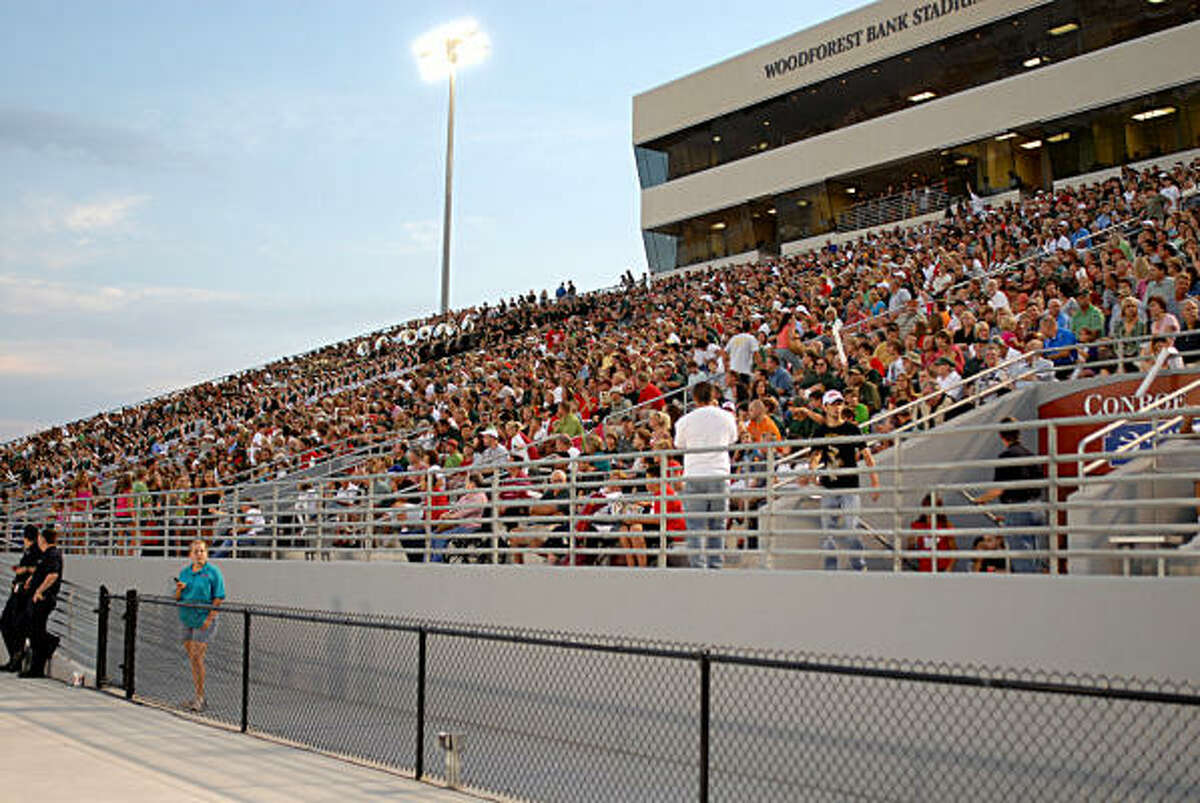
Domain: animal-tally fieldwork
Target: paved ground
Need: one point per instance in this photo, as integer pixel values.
(80, 744)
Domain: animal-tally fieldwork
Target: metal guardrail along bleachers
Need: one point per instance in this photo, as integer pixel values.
(631, 509)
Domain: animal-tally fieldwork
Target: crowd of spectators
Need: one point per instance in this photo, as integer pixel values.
(904, 322)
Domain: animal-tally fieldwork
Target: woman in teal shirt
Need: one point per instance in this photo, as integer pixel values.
(199, 583)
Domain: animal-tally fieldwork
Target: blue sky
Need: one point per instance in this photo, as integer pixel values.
(191, 188)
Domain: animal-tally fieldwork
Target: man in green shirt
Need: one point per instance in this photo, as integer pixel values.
(1088, 324)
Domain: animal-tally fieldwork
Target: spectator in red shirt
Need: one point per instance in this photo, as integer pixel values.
(650, 392)
(925, 543)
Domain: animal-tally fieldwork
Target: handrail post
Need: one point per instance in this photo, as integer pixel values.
(1052, 475)
(369, 535)
(421, 655)
(245, 668)
(128, 671)
(495, 516)
(572, 489)
(663, 531)
(897, 502)
(233, 529)
(705, 681)
(102, 611)
(274, 521)
(168, 498)
(933, 528)
(765, 537)
(429, 511)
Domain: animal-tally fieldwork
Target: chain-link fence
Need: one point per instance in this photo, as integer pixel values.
(547, 716)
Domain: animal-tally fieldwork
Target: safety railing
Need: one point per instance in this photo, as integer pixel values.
(534, 715)
(639, 509)
(895, 207)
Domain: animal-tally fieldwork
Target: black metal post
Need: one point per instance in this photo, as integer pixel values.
(705, 672)
(131, 615)
(420, 770)
(245, 668)
(102, 639)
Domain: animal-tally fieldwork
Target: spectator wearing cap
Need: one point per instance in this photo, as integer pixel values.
(840, 501)
(949, 381)
(493, 453)
(1088, 323)
(868, 392)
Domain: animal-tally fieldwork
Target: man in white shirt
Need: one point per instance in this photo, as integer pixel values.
(705, 474)
(949, 381)
(493, 453)
(997, 300)
(740, 350)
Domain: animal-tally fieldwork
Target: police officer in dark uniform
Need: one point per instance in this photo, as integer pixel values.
(43, 588)
(19, 597)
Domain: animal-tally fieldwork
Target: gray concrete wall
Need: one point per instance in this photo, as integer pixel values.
(1106, 625)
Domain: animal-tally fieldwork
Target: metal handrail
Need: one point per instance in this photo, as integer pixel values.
(369, 519)
(895, 207)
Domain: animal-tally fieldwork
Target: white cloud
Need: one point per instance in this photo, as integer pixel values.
(22, 295)
(101, 215)
(49, 232)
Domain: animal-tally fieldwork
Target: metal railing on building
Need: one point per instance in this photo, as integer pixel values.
(895, 207)
(636, 509)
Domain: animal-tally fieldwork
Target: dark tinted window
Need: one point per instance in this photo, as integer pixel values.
(1044, 35)
(1028, 157)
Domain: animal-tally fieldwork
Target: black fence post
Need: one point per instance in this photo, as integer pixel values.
(245, 668)
(102, 639)
(420, 768)
(131, 616)
(705, 677)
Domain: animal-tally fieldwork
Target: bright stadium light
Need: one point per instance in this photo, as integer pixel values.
(450, 47)
(1064, 29)
(441, 53)
(1151, 114)
(920, 96)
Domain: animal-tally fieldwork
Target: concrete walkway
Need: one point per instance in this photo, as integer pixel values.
(80, 744)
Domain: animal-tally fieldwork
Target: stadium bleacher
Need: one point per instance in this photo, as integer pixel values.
(909, 321)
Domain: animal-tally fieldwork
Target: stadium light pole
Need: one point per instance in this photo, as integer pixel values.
(441, 53)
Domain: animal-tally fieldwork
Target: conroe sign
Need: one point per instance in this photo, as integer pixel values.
(1116, 398)
(878, 30)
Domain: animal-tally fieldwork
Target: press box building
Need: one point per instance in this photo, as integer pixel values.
(784, 142)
